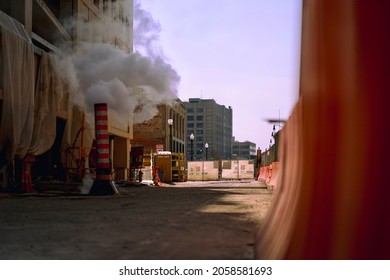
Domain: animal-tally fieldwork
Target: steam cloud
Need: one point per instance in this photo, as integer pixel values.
(132, 84)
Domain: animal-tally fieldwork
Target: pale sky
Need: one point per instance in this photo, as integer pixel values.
(244, 54)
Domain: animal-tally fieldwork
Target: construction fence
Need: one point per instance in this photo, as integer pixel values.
(221, 170)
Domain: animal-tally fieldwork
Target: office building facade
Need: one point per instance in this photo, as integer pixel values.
(244, 150)
(209, 123)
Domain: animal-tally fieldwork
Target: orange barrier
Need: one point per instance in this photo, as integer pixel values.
(273, 179)
(275, 234)
(269, 175)
(258, 175)
(156, 177)
(332, 198)
(262, 170)
(266, 172)
(26, 182)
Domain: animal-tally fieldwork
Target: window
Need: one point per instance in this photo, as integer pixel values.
(199, 118)
(199, 110)
(190, 110)
(199, 125)
(190, 125)
(190, 118)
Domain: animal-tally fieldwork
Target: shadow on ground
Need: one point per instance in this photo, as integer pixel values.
(176, 222)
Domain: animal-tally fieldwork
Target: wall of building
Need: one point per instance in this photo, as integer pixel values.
(152, 132)
(210, 123)
(157, 131)
(244, 149)
(177, 112)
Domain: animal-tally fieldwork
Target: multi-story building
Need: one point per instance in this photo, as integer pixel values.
(164, 132)
(244, 150)
(161, 132)
(39, 119)
(211, 124)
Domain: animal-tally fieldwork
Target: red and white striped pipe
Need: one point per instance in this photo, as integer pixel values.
(102, 142)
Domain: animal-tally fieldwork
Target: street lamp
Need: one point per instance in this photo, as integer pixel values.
(170, 123)
(274, 135)
(192, 146)
(206, 147)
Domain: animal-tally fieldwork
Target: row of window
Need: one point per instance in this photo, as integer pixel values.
(191, 125)
(198, 110)
(191, 118)
(243, 147)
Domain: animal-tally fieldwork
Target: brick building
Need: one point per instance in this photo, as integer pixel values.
(157, 131)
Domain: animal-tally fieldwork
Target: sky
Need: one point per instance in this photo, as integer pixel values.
(244, 54)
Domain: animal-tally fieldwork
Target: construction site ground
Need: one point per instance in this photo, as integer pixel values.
(189, 220)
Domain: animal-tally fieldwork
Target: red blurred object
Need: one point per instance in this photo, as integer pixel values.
(332, 197)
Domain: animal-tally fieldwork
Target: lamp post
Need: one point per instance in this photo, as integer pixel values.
(170, 123)
(268, 157)
(206, 147)
(192, 146)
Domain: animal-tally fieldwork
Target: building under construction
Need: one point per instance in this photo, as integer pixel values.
(165, 132)
(43, 133)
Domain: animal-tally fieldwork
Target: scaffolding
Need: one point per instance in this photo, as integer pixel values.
(80, 160)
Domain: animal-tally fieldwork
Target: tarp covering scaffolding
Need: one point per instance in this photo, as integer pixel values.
(29, 110)
(48, 94)
(17, 79)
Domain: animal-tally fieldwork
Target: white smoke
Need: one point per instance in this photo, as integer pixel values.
(87, 184)
(132, 84)
(146, 32)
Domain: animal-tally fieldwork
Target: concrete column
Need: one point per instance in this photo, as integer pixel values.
(121, 157)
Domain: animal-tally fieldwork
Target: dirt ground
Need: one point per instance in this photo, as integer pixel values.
(191, 220)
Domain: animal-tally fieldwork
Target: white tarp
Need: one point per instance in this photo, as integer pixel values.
(48, 95)
(29, 111)
(17, 118)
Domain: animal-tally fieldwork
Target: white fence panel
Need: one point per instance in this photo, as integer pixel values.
(202, 170)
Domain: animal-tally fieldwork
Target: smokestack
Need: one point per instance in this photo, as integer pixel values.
(103, 184)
